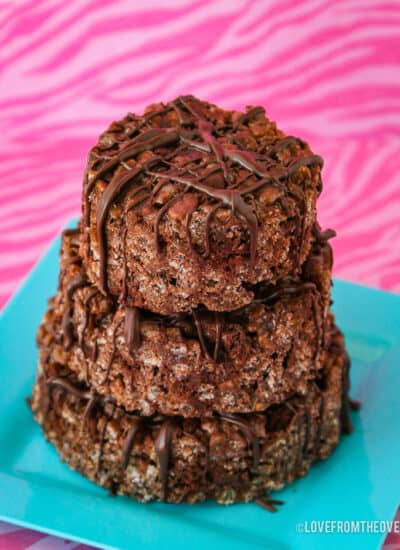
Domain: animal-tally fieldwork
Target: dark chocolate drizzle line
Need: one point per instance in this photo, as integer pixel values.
(219, 321)
(323, 236)
(299, 252)
(231, 197)
(347, 426)
(187, 228)
(132, 328)
(159, 217)
(316, 307)
(106, 420)
(28, 401)
(92, 351)
(72, 260)
(76, 282)
(91, 294)
(306, 431)
(183, 118)
(285, 142)
(117, 324)
(252, 113)
(153, 114)
(321, 410)
(68, 386)
(289, 290)
(354, 405)
(89, 408)
(86, 369)
(269, 503)
(248, 433)
(125, 264)
(129, 441)
(205, 131)
(301, 419)
(162, 446)
(199, 328)
(71, 232)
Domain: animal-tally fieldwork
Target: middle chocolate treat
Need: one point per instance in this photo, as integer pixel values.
(195, 363)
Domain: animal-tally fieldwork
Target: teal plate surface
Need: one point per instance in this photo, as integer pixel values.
(360, 481)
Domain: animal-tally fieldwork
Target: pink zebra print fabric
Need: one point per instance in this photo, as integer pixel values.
(325, 70)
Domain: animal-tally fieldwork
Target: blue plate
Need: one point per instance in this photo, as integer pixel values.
(360, 481)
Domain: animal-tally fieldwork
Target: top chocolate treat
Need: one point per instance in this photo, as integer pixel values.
(190, 204)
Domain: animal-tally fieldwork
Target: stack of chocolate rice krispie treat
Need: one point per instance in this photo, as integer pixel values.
(189, 352)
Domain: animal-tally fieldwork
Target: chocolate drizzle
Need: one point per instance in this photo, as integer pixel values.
(132, 328)
(347, 426)
(269, 503)
(321, 409)
(248, 433)
(219, 321)
(162, 444)
(105, 420)
(306, 432)
(197, 322)
(129, 441)
(78, 281)
(81, 335)
(347, 403)
(252, 113)
(195, 131)
(323, 236)
(354, 405)
(89, 408)
(271, 294)
(69, 386)
(318, 323)
(116, 326)
(71, 232)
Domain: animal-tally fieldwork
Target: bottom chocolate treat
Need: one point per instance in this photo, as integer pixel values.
(229, 458)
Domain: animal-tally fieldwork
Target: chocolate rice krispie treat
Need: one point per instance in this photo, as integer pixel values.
(189, 352)
(197, 363)
(192, 205)
(227, 457)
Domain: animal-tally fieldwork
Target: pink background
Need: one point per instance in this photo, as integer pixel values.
(327, 71)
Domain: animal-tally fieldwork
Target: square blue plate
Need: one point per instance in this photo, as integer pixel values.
(360, 481)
